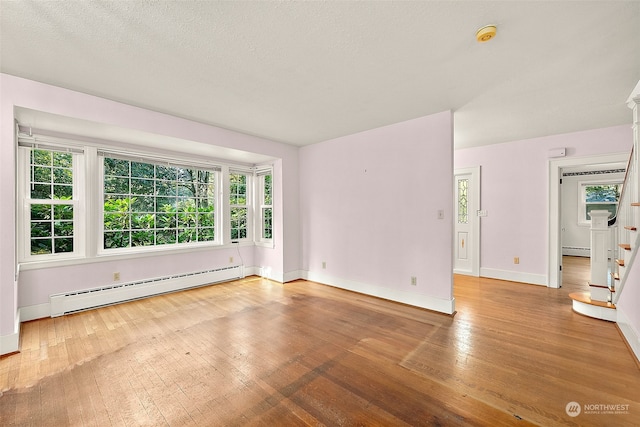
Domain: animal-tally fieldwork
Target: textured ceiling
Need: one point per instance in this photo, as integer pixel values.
(304, 72)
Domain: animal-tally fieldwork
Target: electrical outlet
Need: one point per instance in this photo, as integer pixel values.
(516, 260)
(116, 276)
(414, 281)
(324, 264)
(230, 260)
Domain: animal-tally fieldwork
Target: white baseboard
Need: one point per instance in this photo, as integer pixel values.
(409, 298)
(293, 275)
(631, 335)
(268, 273)
(11, 343)
(514, 276)
(33, 312)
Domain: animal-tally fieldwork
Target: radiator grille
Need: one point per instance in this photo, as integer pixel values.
(86, 299)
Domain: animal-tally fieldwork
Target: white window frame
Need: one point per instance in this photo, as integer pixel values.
(261, 206)
(249, 204)
(88, 201)
(582, 204)
(24, 207)
(149, 159)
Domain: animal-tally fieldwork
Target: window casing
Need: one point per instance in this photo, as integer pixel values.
(265, 202)
(151, 204)
(239, 205)
(51, 218)
(597, 195)
(79, 201)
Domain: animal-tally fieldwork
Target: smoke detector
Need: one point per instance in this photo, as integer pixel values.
(486, 33)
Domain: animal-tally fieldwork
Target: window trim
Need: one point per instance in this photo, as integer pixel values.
(582, 204)
(90, 187)
(138, 157)
(260, 206)
(25, 202)
(249, 203)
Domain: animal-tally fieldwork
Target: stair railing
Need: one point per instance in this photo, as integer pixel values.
(624, 231)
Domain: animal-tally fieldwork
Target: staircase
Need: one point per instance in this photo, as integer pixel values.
(619, 237)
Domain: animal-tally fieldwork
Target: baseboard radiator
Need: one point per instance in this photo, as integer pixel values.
(576, 251)
(86, 299)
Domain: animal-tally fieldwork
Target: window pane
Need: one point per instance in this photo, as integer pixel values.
(63, 176)
(186, 235)
(116, 185)
(41, 157)
(41, 174)
(63, 228)
(158, 202)
(166, 172)
(63, 245)
(62, 160)
(116, 167)
(267, 227)
(142, 186)
(238, 189)
(64, 192)
(166, 220)
(41, 246)
(238, 223)
(143, 204)
(116, 221)
(147, 220)
(166, 188)
(206, 234)
(51, 225)
(602, 193)
(206, 219)
(116, 239)
(41, 191)
(142, 170)
(164, 237)
(41, 229)
(267, 190)
(463, 217)
(47, 168)
(41, 212)
(142, 238)
(63, 211)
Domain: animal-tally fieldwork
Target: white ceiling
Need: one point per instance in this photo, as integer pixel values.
(305, 72)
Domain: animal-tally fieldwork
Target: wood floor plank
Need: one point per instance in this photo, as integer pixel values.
(254, 352)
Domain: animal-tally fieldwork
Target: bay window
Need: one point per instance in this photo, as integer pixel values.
(131, 202)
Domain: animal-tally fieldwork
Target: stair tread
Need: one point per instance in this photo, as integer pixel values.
(585, 297)
(593, 285)
(615, 276)
(620, 262)
(635, 204)
(630, 227)
(625, 246)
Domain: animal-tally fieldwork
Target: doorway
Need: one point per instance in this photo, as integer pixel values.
(466, 221)
(554, 273)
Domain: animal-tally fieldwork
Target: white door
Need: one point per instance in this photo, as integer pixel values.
(467, 225)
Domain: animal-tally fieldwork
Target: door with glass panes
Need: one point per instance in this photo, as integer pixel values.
(466, 221)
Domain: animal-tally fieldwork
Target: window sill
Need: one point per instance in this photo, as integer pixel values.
(36, 265)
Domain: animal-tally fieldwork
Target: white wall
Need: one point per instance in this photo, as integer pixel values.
(369, 210)
(36, 284)
(515, 193)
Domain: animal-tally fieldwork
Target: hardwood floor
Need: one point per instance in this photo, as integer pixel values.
(254, 352)
(576, 272)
